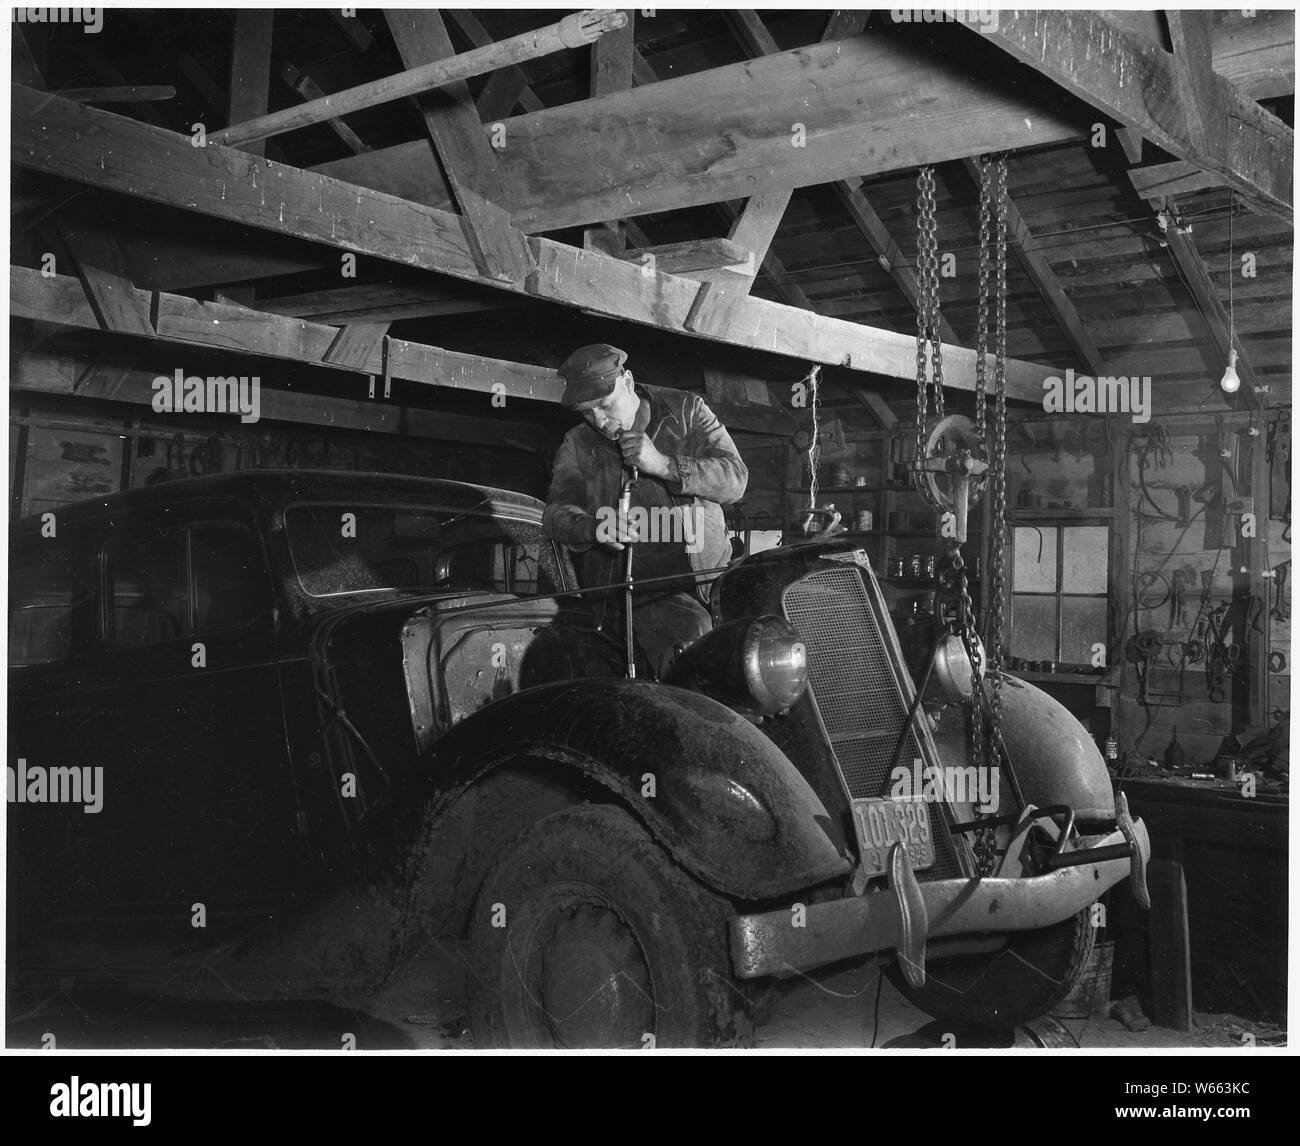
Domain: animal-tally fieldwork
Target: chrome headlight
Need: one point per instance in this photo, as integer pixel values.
(755, 663)
(775, 662)
(952, 668)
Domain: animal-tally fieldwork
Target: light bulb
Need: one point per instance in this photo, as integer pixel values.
(1230, 383)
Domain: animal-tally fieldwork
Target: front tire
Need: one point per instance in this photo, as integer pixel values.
(586, 934)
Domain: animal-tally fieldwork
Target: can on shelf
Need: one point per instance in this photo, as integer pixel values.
(897, 567)
(916, 565)
(929, 565)
(864, 521)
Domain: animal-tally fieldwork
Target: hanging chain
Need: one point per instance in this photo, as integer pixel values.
(999, 462)
(929, 345)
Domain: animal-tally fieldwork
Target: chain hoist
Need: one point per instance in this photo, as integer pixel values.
(929, 344)
(986, 738)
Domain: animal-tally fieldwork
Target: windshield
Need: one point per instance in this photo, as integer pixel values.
(350, 548)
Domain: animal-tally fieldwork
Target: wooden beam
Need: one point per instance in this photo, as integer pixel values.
(250, 69)
(714, 306)
(783, 282)
(356, 345)
(307, 88)
(1134, 81)
(1189, 32)
(506, 87)
(69, 140)
(356, 32)
(611, 58)
(1256, 52)
(146, 93)
(887, 251)
(380, 302)
(60, 300)
(748, 27)
(691, 257)
(116, 303)
(877, 406)
(716, 135)
(1177, 178)
(457, 134)
(571, 32)
(1197, 279)
(845, 22)
(39, 372)
(611, 71)
(25, 69)
(750, 30)
(1031, 256)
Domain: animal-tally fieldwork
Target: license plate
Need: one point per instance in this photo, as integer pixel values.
(883, 823)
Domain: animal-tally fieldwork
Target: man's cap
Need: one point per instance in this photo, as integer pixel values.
(590, 373)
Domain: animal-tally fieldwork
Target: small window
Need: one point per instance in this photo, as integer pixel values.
(43, 592)
(1059, 592)
(171, 583)
(148, 602)
(227, 578)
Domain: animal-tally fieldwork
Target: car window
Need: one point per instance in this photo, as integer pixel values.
(148, 603)
(227, 577)
(354, 549)
(176, 582)
(44, 589)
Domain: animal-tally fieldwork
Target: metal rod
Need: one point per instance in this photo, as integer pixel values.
(624, 508)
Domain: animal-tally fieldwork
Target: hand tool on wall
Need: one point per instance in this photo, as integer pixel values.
(1281, 610)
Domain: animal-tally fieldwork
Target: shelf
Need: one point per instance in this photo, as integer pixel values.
(1024, 513)
(1090, 678)
(917, 582)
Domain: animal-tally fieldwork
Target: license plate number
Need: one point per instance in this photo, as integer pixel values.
(883, 823)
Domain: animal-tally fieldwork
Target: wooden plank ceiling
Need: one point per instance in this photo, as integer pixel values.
(1140, 146)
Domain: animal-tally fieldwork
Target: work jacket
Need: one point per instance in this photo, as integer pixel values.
(589, 474)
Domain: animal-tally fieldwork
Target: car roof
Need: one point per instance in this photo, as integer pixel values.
(288, 485)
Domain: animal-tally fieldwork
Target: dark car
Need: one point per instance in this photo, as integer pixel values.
(336, 716)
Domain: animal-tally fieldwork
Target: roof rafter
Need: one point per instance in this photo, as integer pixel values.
(59, 137)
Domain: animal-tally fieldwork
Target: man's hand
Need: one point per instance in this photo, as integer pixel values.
(613, 530)
(638, 450)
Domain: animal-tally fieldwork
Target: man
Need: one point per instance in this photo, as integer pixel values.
(688, 468)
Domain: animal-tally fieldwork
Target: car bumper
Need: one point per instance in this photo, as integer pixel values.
(908, 914)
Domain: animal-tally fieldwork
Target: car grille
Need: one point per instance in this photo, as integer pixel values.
(853, 687)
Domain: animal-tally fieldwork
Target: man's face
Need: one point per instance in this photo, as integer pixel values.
(616, 411)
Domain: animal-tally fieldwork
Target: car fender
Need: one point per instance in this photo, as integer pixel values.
(1054, 759)
(716, 793)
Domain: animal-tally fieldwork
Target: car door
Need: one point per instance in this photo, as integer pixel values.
(53, 610)
(199, 804)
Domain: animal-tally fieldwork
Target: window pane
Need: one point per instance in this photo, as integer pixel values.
(1083, 624)
(1086, 549)
(148, 603)
(1033, 628)
(398, 547)
(42, 593)
(1035, 564)
(229, 582)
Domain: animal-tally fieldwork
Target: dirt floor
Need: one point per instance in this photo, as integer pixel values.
(423, 1009)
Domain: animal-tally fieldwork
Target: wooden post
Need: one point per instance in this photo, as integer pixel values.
(1171, 953)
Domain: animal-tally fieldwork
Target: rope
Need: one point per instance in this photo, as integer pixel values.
(813, 381)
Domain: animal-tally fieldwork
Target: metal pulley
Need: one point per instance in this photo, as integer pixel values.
(952, 470)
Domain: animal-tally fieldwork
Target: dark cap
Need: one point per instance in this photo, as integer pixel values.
(590, 373)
